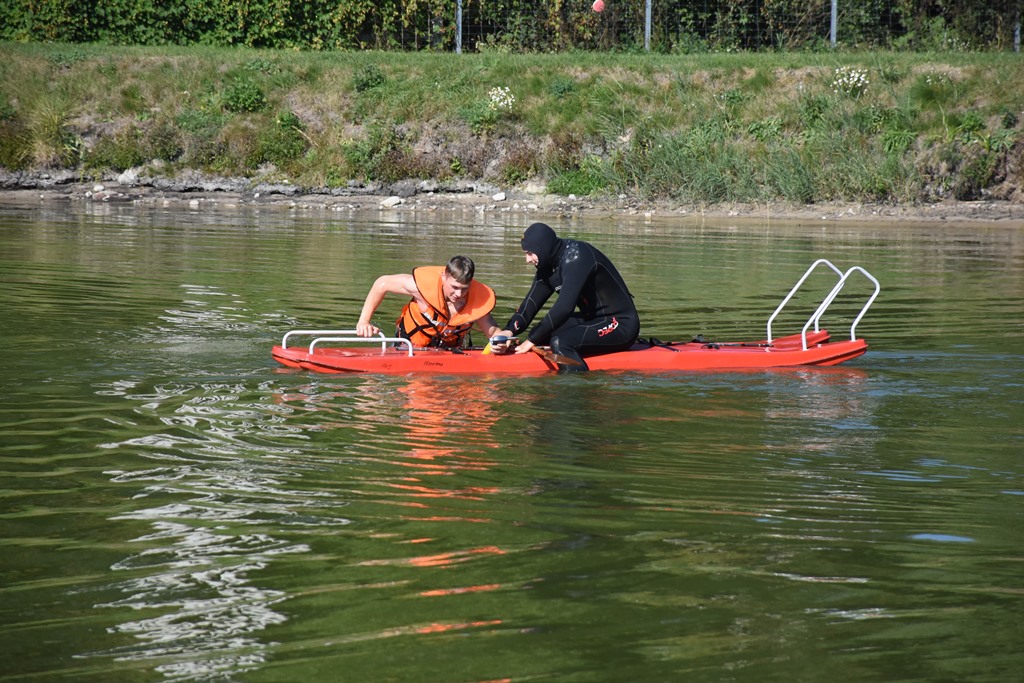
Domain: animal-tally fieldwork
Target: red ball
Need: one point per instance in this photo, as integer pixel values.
(598, 5)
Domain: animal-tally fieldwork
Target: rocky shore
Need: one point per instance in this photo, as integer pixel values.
(196, 191)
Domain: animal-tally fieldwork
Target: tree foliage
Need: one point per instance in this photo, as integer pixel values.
(517, 25)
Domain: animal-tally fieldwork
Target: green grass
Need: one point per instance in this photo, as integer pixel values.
(696, 128)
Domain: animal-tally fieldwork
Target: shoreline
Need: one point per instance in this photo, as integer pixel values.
(481, 198)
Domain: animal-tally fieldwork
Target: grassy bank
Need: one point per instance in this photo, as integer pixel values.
(806, 128)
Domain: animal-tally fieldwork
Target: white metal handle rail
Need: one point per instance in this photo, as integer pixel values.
(815, 318)
(835, 292)
(793, 291)
(349, 336)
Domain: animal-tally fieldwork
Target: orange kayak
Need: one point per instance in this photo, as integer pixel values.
(643, 357)
(389, 355)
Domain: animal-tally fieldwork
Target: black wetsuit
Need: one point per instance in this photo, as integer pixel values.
(585, 278)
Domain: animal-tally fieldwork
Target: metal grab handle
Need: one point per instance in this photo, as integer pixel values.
(350, 336)
(815, 318)
(794, 291)
(384, 341)
(834, 293)
(284, 341)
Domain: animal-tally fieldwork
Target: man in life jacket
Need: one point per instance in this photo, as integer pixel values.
(446, 302)
(594, 312)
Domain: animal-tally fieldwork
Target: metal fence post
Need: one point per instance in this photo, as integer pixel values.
(647, 27)
(458, 27)
(835, 10)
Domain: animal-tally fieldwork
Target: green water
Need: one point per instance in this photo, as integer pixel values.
(176, 507)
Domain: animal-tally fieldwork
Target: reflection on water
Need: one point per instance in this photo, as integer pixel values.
(215, 482)
(192, 572)
(177, 505)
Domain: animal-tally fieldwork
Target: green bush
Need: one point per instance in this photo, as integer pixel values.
(118, 152)
(897, 140)
(813, 109)
(367, 78)
(7, 110)
(163, 140)
(203, 123)
(480, 117)
(381, 156)
(282, 142)
(562, 87)
(975, 175)
(13, 145)
(244, 95)
(971, 123)
(521, 163)
(590, 178)
(765, 129)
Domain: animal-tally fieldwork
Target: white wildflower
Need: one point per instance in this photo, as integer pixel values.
(501, 98)
(850, 81)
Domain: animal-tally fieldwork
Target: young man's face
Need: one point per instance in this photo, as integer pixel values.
(454, 291)
(532, 259)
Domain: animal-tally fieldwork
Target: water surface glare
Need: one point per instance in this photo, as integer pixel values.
(175, 506)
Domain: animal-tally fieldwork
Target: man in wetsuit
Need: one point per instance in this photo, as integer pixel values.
(586, 280)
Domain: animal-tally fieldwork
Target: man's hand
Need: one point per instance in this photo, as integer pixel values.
(525, 347)
(503, 343)
(367, 329)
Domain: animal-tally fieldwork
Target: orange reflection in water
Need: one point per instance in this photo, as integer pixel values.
(444, 628)
(459, 591)
(444, 417)
(439, 560)
(436, 431)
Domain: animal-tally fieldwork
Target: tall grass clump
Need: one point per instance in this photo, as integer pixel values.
(50, 140)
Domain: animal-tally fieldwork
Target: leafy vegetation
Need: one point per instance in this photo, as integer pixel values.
(514, 26)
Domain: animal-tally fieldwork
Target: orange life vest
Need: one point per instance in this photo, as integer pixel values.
(433, 327)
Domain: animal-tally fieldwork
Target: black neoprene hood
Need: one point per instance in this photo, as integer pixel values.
(541, 240)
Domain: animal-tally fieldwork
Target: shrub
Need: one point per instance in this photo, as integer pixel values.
(766, 129)
(971, 123)
(562, 87)
(976, 173)
(7, 111)
(897, 140)
(162, 140)
(564, 153)
(282, 142)
(118, 152)
(50, 141)
(367, 78)
(521, 163)
(588, 179)
(244, 95)
(13, 145)
(480, 116)
(813, 109)
(381, 156)
(933, 90)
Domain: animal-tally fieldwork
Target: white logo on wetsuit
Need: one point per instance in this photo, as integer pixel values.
(572, 251)
(607, 329)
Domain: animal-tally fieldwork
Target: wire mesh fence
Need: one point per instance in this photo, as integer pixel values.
(666, 26)
(681, 26)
